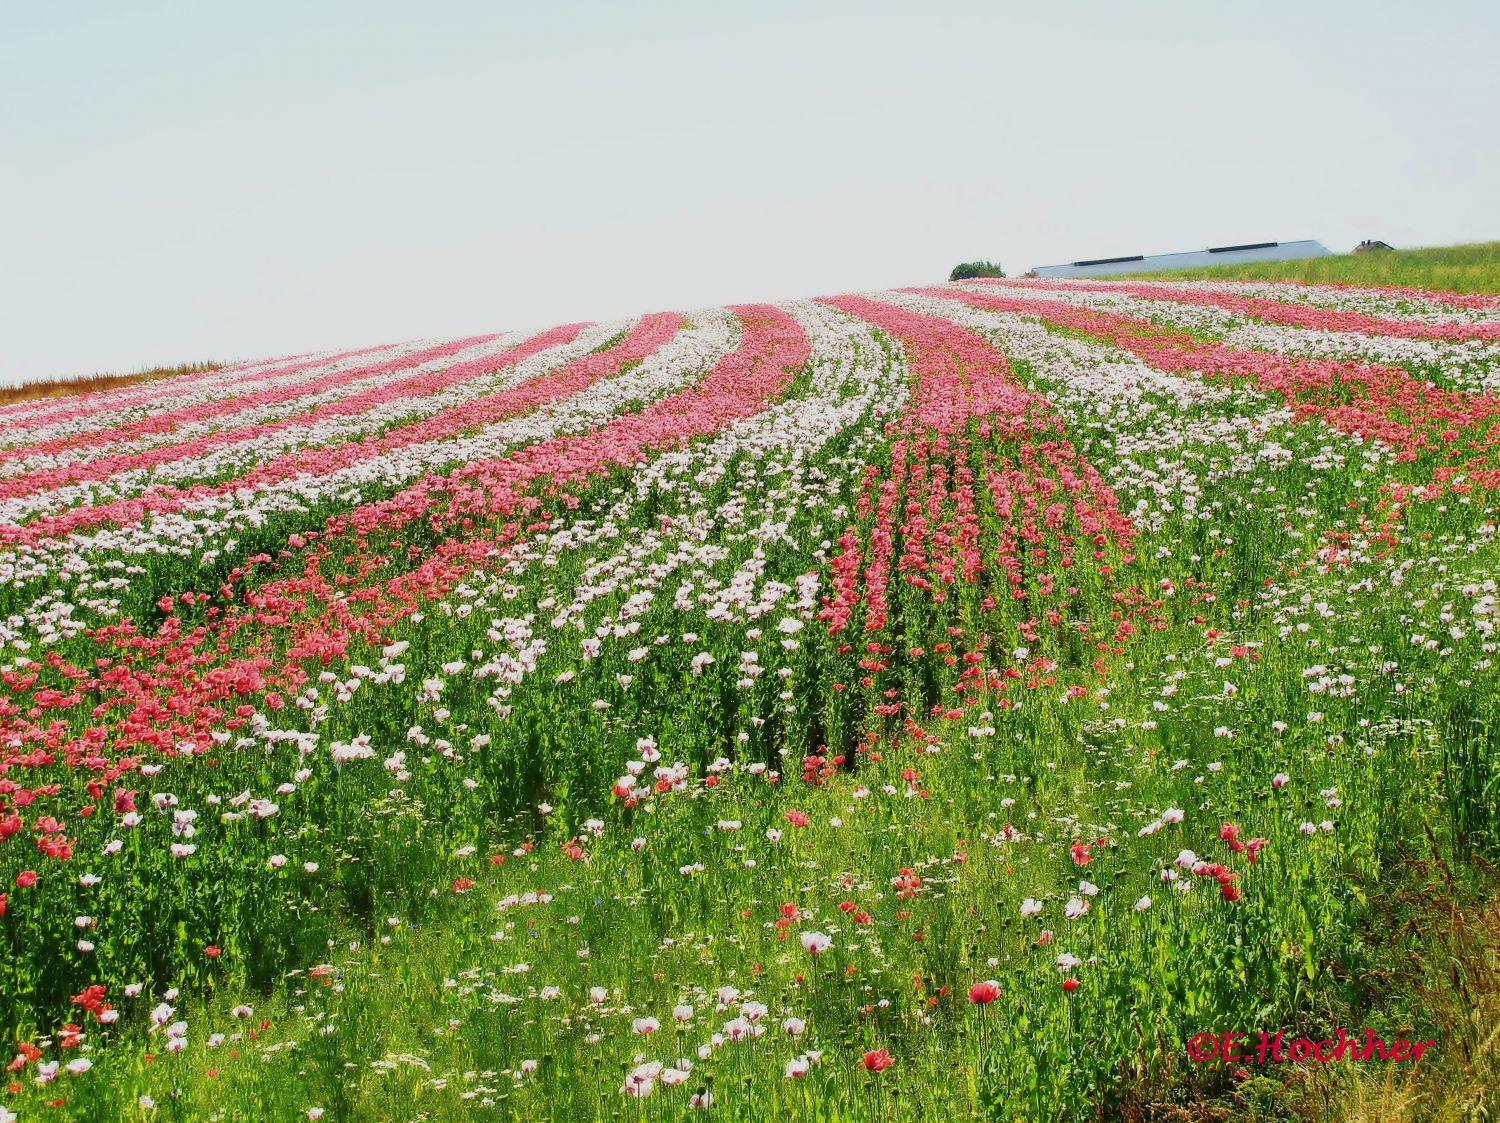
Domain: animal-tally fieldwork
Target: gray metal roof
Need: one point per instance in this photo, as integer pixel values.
(1217, 255)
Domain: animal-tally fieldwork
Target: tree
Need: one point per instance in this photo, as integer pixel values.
(971, 269)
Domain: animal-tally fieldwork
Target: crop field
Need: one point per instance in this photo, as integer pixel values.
(940, 703)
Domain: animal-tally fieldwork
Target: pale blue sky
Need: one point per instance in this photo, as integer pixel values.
(186, 180)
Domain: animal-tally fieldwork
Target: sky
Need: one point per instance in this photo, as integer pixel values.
(182, 181)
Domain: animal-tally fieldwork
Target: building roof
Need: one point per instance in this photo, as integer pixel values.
(1214, 255)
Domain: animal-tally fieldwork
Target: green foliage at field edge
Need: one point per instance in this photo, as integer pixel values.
(1468, 268)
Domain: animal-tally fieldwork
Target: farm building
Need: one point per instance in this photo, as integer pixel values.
(1216, 255)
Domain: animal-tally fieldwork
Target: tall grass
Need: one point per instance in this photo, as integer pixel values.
(87, 384)
(1470, 268)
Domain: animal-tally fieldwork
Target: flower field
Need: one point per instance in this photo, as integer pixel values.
(935, 703)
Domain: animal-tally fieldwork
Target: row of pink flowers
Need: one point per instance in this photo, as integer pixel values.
(165, 500)
(180, 684)
(168, 420)
(967, 409)
(1273, 311)
(29, 415)
(325, 458)
(1373, 400)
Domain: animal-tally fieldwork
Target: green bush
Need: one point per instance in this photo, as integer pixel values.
(971, 269)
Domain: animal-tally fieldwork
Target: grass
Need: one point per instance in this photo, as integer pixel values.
(1470, 268)
(43, 388)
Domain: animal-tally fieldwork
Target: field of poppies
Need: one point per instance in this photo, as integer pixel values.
(926, 704)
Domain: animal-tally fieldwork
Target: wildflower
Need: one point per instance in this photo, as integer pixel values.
(877, 1060)
(737, 1029)
(982, 994)
(816, 943)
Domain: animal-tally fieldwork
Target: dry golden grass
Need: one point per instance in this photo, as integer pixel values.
(1454, 980)
(63, 387)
